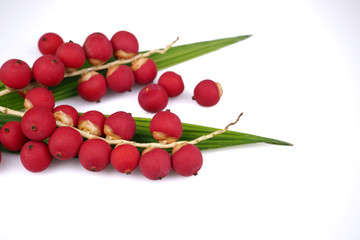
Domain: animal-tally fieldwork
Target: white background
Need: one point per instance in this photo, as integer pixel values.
(296, 79)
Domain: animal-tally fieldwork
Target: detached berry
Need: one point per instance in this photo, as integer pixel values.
(38, 123)
(48, 70)
(39, 97)
(155, 164)
(92, 86)
(67, 115)
(207, 93)
(187, 160)
(153, 98)
(72, 55)
(94, 155)
(125, 45)
(120, 125)
(98, 48)
(35, 156)
(172, 82)
(166, 127)
(64, 143)
(125, 158)
(12, 137)
(15, 73)
(92, 122)
(145, 70)
(120, 78)
(49, 43)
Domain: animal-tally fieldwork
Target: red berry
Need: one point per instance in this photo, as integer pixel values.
(98, 48)
(92, 122)
(49, 43)
(207, 93)
(38, 123)
(153, 98)
(125, 158)
(15, 73)
(172, 82)
(125, 45)
(72, 55)
(48, 70)
(35, 156)
(67, 115)
(39, 97)
(94, 155)
(145, 70)
(120, 125)
(12, 137)
(166, 127)
(64, 143)
(92, 86)
(187, 160)
(120, 78)
(155, 164)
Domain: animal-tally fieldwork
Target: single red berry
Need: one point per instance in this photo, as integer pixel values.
(155, 164)
(94, 155)
(120, 125)
(153, 98)
(187, 160)
(64, 143)
(125, 45)
(49, 70)
(98, 48)
(166, 127)
(125, 158)
(39, 97)
(172, 82)
(67, 115)
(38, 123)
(92, 86)
(120, 78)
(72, 55)
(12, 137)
(207, 93)
(92, 122)
(15, 73)
(49, 43)
(35, 156)
(145, 70)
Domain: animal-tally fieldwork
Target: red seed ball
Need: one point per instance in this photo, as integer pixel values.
(125, 45)
(155, 164)
(64, 143)
(48, 70)
(153, 98)
(12, 137)
(98, 48)
(35, 156)
(15, 73)
(172, 82)
(125, 158)
(92, 122)
(94, 155)
(120, 78)
(66, 114)
(145, 70)
(49, 43)
(72, 55)
(207, 93)
(187, 160)
(38, 123)
(39, 97)
(120, 125)
(166, 127)
(92, 86)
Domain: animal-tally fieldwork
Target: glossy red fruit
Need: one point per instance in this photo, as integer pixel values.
(35, 156)
(48, 70)
(187, 161)
(120, 78)
(125, 45)
(12, 137)
(172, 82)
(166, 127)
(66, 114)
(120, 125)
(64, 143)
(38, 123)
(125, 158)
(155, 164)
(94, 155)
(145, 70)
(153, 98)
(98, 48)
(15, 73)
(49, 43)
(207, 93)
(72, 55)
(92, 86)
(39, 97)
(92, 122)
